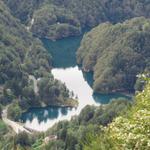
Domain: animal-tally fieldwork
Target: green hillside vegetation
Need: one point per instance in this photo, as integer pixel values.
(117, 125)
(23, 9)
(72, 133)
(3, 128)
(55, 23)
(116, 54)
(130, 131)
(56, 19)
(22, 55)
(5, 136)
(10, 141)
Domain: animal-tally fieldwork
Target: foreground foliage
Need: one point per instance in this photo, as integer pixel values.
(71, 134)
(130, 131)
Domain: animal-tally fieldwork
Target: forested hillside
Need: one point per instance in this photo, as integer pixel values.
(70, 134)
(119, 125)
(56, 19)
(130, 131)
(23, 59)
(116, 54)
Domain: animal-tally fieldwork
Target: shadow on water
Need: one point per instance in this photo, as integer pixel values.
(106, 98)
(63, 52)
(88, 76)
(42, 114)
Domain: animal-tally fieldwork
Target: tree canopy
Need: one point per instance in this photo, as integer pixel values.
(130, 131)
(56, 19)
(23, 61)
(116, 54)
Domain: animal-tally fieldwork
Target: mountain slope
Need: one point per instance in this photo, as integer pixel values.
(116, 54)
(23, 56)
(56, 19)
(131, 131)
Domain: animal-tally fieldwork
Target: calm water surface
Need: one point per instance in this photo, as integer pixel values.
(66, 70)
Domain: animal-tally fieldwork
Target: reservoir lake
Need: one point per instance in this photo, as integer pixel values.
(67, 71)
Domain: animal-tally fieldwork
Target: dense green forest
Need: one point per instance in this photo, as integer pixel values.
(117, 125)
(117, 51)
(93, 129)
(71, 134)
(23, 59)
(116, 54)
(56, 19)
(128, 131)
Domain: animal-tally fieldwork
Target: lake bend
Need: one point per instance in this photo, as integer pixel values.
(67, 71)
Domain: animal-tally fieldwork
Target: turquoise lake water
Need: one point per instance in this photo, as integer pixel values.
(65, 69)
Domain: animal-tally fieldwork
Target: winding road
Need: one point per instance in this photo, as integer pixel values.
(14, 125)
(35, 83)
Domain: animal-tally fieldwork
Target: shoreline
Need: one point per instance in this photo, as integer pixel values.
(75, 105)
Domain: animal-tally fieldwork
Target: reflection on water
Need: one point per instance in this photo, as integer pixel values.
(106, 98)
(66, 70)
(89, 78)
(43, 113)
